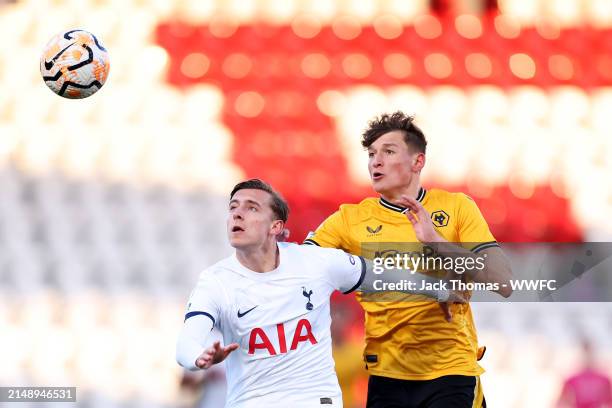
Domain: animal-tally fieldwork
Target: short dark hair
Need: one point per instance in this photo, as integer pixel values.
(279, 205)
(385, 123)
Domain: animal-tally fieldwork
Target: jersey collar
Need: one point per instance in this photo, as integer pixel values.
(420, 196)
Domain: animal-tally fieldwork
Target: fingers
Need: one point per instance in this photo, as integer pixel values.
(228, 349)
(416, 211)
(420, 209)
(215, 354)
(232, 347)
(202, 363)
(206, 358)
(404, 201)
(411, 217)
(445, 306)
(448, 315)
(410, 214)
(409, 202)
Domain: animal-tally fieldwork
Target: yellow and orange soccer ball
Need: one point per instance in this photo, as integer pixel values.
(74, 64)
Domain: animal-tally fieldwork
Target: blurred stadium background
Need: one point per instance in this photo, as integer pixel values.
(110, 206)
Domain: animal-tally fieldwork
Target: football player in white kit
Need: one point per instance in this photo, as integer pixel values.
(271, 302)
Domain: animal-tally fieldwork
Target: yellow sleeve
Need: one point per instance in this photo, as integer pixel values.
(330, 234)
(472, 227)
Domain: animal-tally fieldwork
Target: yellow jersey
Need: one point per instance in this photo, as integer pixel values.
(411, 340)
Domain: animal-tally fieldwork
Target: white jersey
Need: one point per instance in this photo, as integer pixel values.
(281, 320)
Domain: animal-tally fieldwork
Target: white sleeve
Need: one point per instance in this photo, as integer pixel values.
(205, 299)
(345, 271)
(192, 341)
(201, 315)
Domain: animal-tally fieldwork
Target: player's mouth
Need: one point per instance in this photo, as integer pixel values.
(236, 229)
(377, 176)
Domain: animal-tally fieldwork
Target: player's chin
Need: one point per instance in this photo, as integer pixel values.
(378, 186)
(235, 241)
(238, 241)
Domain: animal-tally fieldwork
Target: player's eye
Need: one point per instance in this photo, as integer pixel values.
(389, 151)
(253, 208)
(370, 154)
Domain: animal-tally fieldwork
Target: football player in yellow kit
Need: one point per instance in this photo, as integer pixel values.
(416, 357)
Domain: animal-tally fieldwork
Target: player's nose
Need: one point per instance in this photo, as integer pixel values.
(376, 161)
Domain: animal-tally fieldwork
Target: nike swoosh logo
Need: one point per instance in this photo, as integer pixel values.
(242, 314)
(49, 64)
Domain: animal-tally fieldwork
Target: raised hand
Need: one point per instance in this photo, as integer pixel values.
(420, 220)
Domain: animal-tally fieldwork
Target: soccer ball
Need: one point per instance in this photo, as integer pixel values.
(74, 64)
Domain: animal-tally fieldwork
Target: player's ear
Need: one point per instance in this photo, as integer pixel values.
(418, 162)
(277, 227)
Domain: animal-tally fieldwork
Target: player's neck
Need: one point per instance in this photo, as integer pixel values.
(394, 196)
(264, 258)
